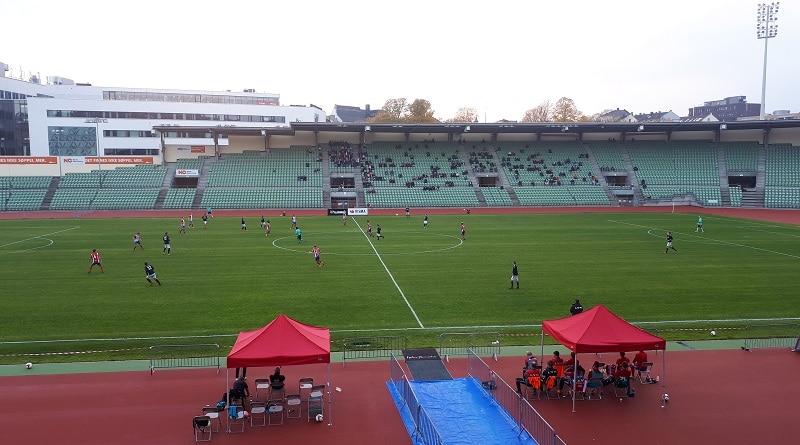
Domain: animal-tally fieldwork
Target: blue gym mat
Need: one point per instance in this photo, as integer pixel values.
(463, 413)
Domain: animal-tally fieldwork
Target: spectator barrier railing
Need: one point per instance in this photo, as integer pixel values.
(204, 355)
(372, 347)
(460, 343)
(517, 407)
(424, 428)
(771, 336)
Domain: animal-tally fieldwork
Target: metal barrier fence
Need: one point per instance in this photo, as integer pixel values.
(424, 428)
(517, 407)
(459, 343)
(771, 336)
(184, 356)
(372, 347)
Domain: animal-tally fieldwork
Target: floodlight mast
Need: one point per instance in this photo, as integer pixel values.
(766, 28)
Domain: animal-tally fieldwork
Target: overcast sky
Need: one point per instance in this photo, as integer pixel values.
(500, 57)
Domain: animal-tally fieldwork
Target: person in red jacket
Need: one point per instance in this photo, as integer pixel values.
(622, 378)
(638, 359)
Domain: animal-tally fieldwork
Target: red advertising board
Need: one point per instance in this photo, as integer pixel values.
(119, 160)
(26, 160)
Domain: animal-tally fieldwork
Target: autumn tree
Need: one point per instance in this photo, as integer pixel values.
(393, 111)
(465, 115)
(540, 113)
(565, 111)
(420, 112)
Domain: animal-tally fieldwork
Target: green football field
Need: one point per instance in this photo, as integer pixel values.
(415, 282)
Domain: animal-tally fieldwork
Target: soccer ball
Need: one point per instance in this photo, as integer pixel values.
(29, 365)
(396, 214)
(713, 333)
(318, 418)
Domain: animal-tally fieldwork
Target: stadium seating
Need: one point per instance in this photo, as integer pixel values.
(179, 198)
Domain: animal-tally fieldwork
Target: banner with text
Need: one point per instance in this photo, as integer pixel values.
(26, 160)
(358, 211)
(119, 160)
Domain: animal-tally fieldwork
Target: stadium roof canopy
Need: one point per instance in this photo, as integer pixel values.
(493, 128)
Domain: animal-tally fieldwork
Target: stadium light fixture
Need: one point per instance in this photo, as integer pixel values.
(766, 28)
(641, 128)
(723, 126)
(367, 128)
(466, 129)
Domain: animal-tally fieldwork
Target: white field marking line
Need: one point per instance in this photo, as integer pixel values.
(707, 240)
(33, 238)
(397, 286)
(438, 328)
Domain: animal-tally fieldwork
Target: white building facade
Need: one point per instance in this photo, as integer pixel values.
(66, 127)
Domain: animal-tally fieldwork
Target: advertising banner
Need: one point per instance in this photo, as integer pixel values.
(26, 160)
(119, 160)
(358, 211)
(187, 172)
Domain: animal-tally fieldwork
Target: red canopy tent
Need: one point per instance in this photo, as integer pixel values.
(600, 330)
(283, 342)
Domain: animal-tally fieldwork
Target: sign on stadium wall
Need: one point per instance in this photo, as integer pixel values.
(198, 149)
(187, 172)
(28, 160)
(73, 160)
(358, 211)
(119, 160)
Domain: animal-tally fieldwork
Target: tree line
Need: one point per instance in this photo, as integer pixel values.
(420, 111)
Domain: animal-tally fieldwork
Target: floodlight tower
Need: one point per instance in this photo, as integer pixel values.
(766, 28)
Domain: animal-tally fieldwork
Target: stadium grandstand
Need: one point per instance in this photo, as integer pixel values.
(69, 146)
(314, 165)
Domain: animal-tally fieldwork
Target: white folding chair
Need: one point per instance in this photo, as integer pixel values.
(213, 413)
(258, 413)
(316, 405)
(236, 419)
(202, 428)
(262, 385)
(293, 406)
(644, 372)
(275, 410)
(306, 383)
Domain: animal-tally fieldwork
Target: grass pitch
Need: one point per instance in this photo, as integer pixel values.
(418, 282)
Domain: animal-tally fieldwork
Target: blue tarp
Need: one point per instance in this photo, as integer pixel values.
(463, 413)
